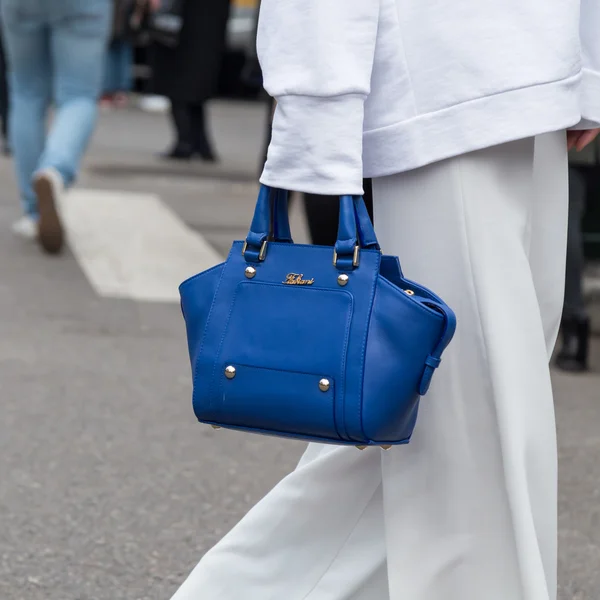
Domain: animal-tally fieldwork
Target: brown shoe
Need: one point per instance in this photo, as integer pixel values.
(48, 185)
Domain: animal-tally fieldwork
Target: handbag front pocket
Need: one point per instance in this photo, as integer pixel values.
(282, 341)
(280, 401)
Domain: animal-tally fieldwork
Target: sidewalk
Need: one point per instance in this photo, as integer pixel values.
(108, 488)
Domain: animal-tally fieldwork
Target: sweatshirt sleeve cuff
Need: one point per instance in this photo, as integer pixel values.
(316, 145)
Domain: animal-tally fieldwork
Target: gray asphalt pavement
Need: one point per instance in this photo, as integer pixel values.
(109, 490)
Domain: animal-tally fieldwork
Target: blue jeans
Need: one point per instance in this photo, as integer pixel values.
(118, 71)
(56, 51)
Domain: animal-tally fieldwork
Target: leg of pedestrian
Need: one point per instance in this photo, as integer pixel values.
(78, 40)
(203, 143)
(27, 45)
(181, 119)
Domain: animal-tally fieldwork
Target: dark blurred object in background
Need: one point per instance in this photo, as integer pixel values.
(166, 22)
(583, 252)
(240, 74)
(188, 74)
(575, 324)
(587, 165)
(4, 101)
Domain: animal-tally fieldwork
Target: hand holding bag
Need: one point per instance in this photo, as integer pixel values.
(305, 342)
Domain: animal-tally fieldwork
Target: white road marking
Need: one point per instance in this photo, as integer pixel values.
(133, 245)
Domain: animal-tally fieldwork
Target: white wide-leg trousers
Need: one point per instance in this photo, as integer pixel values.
(466, 511)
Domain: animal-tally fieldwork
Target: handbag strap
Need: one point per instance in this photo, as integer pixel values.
(280, 229)
(260, 229)
(366, 231)
(433, 361)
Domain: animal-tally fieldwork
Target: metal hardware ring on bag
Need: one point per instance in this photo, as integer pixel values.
(355, 258)
(263, 250)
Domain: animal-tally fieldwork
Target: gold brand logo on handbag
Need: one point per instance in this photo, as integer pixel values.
(296, 279)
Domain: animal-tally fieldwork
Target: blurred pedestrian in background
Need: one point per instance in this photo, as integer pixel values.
(118, 70)
(188, 75)
(56, 51)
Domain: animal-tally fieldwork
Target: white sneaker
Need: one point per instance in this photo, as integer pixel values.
(154, 104)
(49, 188)
(26, 227)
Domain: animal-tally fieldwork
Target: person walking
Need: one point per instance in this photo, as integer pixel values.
(188, 75)
(459, 112)
(56, 52)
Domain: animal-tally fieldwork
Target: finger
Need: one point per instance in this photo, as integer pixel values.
(572, 138)
(586, 138)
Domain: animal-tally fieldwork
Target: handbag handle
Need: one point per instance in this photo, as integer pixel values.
(280, 228)
(271, 223)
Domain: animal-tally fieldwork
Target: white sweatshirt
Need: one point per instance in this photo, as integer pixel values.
(377, 87)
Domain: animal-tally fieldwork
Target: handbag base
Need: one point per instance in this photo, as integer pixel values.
(360, 445)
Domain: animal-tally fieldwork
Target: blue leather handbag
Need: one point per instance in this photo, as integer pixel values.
(310, 342)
